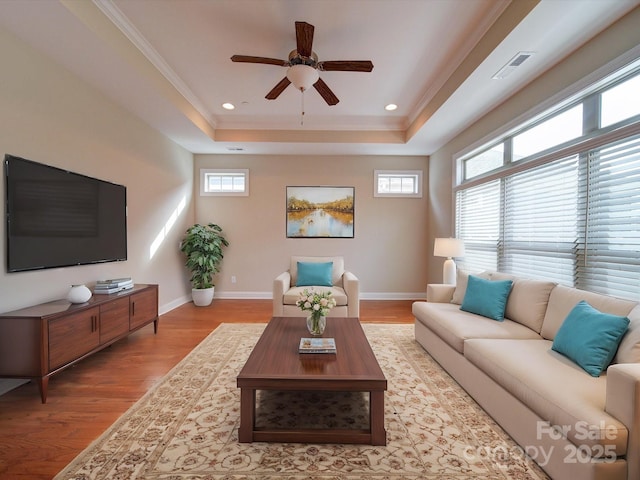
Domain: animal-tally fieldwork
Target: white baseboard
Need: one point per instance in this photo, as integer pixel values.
(392, 296)
(8, 384)
(167, 307)
(245, 295)
(363, 295)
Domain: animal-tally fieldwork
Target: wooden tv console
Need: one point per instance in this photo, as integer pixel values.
(39, 341)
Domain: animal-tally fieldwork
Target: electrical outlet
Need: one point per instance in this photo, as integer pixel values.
(233, 279)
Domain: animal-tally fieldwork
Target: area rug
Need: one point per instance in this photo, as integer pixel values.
(186, 427)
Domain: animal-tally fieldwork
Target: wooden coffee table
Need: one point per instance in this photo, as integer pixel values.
(275, 364)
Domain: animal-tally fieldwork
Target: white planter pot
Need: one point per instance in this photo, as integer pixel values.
(202, 297)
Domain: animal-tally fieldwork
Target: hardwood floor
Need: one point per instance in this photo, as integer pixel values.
(37, 441)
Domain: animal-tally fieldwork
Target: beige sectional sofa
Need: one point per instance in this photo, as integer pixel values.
(574, 425)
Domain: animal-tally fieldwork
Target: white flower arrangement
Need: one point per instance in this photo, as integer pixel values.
(318, 303)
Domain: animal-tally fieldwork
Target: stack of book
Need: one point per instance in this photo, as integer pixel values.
(317, 345)
(113, 285)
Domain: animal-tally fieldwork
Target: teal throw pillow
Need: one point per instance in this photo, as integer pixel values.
(590, 338)
(486, 298)
(314, 274)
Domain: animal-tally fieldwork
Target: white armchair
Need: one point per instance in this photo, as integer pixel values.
(345, 288)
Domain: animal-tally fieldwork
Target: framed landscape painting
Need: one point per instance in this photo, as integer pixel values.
(320, 212)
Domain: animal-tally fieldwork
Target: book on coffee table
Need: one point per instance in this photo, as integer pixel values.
(317, 345)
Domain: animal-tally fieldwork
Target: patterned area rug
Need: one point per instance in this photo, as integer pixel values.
(186, 427)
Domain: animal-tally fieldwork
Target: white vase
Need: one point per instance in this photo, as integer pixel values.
(79, 294)
(202, 297)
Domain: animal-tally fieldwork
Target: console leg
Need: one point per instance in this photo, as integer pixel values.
(43, 385)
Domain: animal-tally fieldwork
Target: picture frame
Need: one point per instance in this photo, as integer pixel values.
(320, 212)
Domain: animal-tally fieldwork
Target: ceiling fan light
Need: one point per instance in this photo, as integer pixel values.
(302, 76)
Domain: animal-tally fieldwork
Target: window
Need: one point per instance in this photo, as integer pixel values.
(549, 133)
(407, 183)
(540, 221)
(621, 102)
(564, 202)
(224, 182)
(478, 216)
(484, 162)
(611, 230)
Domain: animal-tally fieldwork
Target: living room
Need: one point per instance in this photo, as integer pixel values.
(52, 116)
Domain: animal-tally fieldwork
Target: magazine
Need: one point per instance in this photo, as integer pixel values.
(317, 345)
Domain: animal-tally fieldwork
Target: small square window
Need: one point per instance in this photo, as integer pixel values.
(224, 182)
(395, 183)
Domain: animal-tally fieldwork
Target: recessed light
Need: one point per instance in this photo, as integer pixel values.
(391, 107)
(228, 106)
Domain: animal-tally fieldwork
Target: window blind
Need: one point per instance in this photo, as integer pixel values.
(540, 222)
(609, 260)
(478, 212)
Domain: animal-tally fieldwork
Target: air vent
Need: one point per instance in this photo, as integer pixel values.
(514, 63)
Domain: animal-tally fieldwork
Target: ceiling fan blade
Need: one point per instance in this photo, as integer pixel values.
(268, 61)
(346, 66)
(278, 89)
(325, 92)
(304, 38)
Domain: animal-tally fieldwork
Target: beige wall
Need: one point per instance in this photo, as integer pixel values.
(50, 116)
(387, 252)
(606, 47)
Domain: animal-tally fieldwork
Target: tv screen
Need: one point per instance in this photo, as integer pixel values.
(57, 218)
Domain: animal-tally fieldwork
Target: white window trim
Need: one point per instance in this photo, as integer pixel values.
(417, 174)
(223, 171)
(591, 82)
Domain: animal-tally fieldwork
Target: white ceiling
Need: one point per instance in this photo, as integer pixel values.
(168, 62)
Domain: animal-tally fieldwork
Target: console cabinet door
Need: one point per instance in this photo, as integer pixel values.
(73, 336)
(114, 319)
(144, 307)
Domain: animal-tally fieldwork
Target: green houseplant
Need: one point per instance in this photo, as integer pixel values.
(202, 245)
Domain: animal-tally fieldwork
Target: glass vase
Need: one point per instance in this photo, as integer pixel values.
(316, 324)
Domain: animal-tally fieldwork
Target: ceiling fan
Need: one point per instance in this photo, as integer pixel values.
(304, 66)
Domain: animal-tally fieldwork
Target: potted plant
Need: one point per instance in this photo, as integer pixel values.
(202, 245)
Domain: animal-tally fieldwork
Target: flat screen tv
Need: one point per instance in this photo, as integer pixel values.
(57, 218)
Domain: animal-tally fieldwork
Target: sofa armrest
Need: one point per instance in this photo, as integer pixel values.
(440, 292)
(281, 284)
(623, 402)
(351, 286)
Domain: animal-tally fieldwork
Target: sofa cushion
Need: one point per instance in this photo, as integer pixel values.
(314, 274)
(629, 349)
(336, 274)
(292, 295)
(462, 278)
(590, 338)
(527, 301)
(486, 297)
(454, 326)
(553, 387)
(563, 299)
